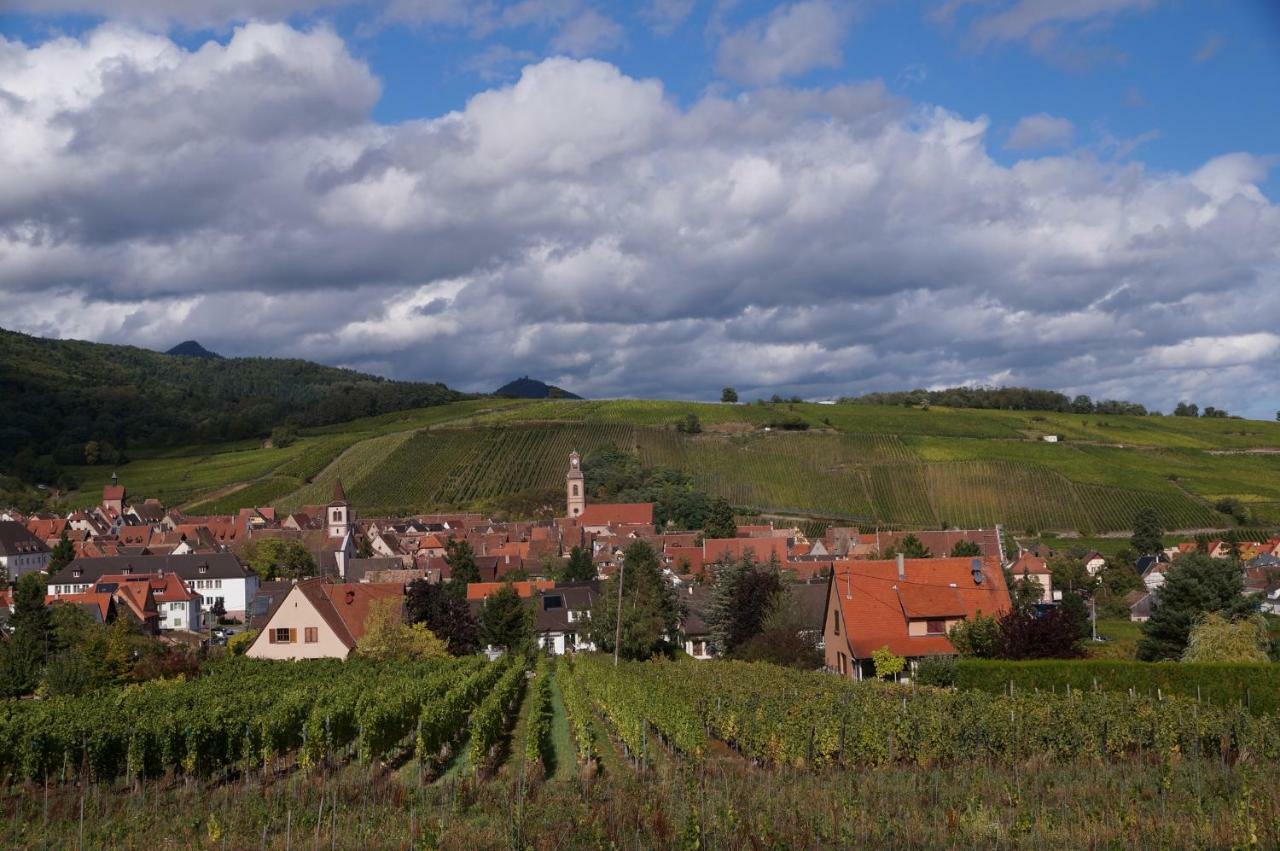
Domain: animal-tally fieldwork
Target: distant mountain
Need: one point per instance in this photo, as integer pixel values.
(532, 388)
(192, 349)
(72, 401)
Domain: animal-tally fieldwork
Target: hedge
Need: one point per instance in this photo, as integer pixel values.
(1256, 686)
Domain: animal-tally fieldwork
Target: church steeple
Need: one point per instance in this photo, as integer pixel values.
(339, 511)
(574, 486)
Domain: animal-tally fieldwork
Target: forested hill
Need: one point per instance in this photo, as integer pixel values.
(60, 395)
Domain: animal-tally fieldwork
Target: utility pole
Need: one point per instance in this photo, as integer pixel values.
(1093, 616)
(617, 636)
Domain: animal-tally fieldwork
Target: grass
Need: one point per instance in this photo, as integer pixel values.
(872, 465)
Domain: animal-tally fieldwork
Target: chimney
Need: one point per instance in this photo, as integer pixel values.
(902, 567)
(848, 585)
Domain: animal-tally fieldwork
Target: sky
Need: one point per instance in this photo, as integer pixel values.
(662, 197)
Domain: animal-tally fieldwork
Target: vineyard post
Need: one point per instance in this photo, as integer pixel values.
(617, 636)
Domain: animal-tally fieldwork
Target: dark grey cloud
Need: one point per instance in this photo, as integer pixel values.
(580, 226)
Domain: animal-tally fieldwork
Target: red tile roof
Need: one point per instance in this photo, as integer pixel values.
(481, 590)
(622, 513)
(876, 605)
(732, 549)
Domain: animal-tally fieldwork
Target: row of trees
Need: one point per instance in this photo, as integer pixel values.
(1001, 398)
(1191, 409)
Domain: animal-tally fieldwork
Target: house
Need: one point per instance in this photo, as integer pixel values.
(264, 600)
(174, 605)
(562, 615)
(219, 578)
(1034, 568)
(906, 605)
(133, 595)
(695, 635)
(319, 619)
(20, 551)
(1141, 605)
(1094, 562)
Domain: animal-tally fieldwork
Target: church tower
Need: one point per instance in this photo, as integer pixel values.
(339, 511)
(575, 488)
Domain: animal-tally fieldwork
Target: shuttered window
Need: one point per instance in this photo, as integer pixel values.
(283, 635)
(312, 634)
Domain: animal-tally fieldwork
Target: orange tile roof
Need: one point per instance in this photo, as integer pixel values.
(723, 549)
(526, 589)
(617, 513)
(876, 605)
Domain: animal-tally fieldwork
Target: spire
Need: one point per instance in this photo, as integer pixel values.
(339, 495)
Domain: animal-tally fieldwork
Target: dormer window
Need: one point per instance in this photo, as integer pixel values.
(76, 573)
(204, 568)
(935, 627)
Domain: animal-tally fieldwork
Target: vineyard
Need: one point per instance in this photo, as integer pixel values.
(465, 754)
(863, 464)
(863, 478)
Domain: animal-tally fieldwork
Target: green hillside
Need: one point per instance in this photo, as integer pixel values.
(874, 465)
(68, 402)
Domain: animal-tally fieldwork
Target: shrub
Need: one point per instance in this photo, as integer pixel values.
(239, 643)
(939, 671)
(1255, 685)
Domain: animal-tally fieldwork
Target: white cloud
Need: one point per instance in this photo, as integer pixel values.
(579, 225)
(587, 33)
(789, 41)
(1037, 132)
(189, 13)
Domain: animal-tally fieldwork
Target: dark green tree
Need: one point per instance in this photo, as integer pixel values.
(743, 595)
(729, 395)
(786, 639)
(966, 548)
(1195, 585)
(650, 609)
(461, 559)
(579, 567)
(505, 621)
(21, 660)
(910, 547)
(31, 618)
(443, 608)
(1148, 536)
(62, 555)
(720, 522)
(1070, 574)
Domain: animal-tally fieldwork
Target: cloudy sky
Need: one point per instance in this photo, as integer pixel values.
(659, 198)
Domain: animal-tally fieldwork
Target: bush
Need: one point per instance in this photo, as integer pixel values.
(1255, 685)
(239, 643)
(939, 671)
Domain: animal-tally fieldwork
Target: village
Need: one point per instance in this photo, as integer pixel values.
(191, 580)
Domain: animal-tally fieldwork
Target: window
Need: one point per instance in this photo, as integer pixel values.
(935, 627)
(837, 621)
(281, 635)
(575, 490)
(217, 583)
(311, 635)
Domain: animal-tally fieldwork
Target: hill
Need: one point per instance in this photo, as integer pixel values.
(531, 388)
(192, 349)
(68, 402)
(865, 464)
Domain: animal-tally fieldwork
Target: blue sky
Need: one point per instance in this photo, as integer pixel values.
(1032, 164)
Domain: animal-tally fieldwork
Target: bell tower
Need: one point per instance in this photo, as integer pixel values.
(339, 511)
(574, 487)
